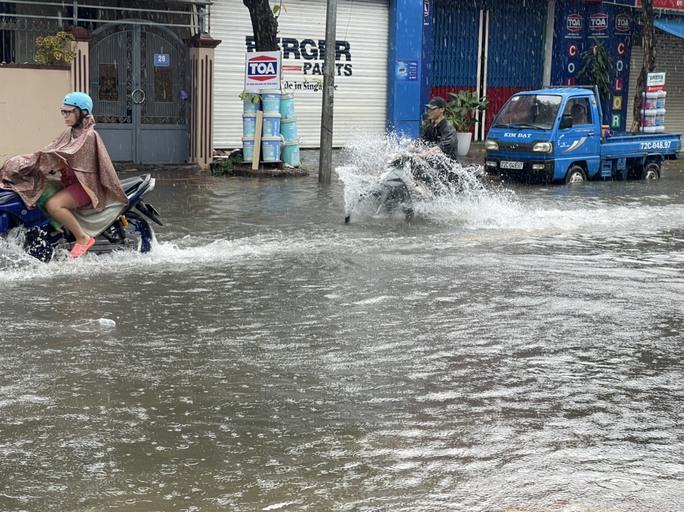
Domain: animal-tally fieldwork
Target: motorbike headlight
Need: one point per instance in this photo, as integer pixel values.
(543, 147)
(491, 145)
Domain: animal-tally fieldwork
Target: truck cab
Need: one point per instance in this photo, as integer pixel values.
(555, 135)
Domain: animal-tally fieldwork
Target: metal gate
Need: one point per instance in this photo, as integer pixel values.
(139, 77)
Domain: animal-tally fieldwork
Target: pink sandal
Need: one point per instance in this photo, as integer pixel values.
(79, 250)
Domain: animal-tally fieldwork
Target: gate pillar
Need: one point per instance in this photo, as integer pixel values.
(202, 99)
(80, 66)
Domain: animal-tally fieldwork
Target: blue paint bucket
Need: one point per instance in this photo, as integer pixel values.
(247, 149)
(270, 149)
(288, 129)
(270, 102)
(291, 153)
(248, 125)
(287, 109)
(249, 107)
(271, 126)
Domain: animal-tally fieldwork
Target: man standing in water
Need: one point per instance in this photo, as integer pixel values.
(439, 130)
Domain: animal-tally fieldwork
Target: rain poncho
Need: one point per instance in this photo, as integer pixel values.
(79, 149)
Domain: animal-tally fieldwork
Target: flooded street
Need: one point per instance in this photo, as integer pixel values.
(519, 350)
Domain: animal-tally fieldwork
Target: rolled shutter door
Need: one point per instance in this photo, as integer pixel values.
(669, 50)
(361, 80)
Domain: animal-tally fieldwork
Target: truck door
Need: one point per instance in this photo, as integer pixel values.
(580, 142)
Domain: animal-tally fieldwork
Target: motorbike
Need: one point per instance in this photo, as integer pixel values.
(410, 179)
(117, 226)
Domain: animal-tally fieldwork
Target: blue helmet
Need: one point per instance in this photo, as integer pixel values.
(80, 100)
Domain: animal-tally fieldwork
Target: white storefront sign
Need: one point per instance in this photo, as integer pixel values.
(360, 67)
(262, 71)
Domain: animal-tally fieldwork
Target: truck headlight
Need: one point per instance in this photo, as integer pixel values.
(491, 145)
(543, 147)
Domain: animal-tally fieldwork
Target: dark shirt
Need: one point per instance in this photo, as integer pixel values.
(444, 135)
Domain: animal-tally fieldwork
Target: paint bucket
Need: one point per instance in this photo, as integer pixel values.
(649, 117)
(248, 125)
(270, 102)
(270, 149)
(291, 153)
(249, 107)
(660, 102)
(288, 129)
(660, 120)
(287, 109)
(650, 100)
(247, 149)
(271, 126)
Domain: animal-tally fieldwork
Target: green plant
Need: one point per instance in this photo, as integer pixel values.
(55, 49)
(597, 69)
(462, 108)
(249, 96)
(226, 166)
(278, 9)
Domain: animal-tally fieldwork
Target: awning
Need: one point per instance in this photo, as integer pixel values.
(671, 26)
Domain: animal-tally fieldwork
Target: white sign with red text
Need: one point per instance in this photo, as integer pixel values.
(262, 71)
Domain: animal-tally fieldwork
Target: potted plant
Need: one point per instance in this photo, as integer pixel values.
(461, 111)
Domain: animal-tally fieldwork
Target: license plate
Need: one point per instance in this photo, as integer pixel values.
(505, 164)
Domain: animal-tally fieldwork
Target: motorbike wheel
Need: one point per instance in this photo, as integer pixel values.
(37, 244)
(133, 234)
(138, 234)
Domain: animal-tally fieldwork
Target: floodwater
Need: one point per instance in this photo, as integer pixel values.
(516, 350)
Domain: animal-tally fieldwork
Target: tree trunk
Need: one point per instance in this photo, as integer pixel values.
(264, 25)
(648, 64)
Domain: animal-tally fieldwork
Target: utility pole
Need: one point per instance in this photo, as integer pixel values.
(325, 159)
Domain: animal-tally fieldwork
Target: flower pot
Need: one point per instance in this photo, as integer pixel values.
(463, 142)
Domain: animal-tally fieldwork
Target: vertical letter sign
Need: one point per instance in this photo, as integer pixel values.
(262, 71)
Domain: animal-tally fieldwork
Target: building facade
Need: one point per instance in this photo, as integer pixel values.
(360, 67)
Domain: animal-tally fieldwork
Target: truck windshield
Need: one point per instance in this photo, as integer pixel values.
(536, 111)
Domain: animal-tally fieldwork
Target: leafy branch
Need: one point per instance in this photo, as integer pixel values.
(55, 49)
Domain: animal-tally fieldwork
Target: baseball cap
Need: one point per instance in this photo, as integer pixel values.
(437, 102)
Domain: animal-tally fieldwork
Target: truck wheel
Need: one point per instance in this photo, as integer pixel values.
(651, 171)
(575, 175)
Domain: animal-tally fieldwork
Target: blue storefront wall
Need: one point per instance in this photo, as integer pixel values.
(514, 48)
(454, 45)
(434, 46)
(578, 27)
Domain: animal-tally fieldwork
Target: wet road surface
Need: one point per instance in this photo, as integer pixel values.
(517, 350)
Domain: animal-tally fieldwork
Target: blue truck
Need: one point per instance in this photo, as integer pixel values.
(555, 135)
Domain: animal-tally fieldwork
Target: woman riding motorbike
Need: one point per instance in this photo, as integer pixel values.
(86, 171)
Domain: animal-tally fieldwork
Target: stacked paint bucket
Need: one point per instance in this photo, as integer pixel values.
(270, 135)
(288, 130)
(660, 111)
(250, 105)
(650, 112)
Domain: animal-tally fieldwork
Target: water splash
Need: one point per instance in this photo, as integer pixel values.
(371, 161)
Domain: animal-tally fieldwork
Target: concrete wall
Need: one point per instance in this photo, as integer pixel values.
(30, 98)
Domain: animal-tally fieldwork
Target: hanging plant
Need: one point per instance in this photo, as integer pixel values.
(597, 69)
(55, 49)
